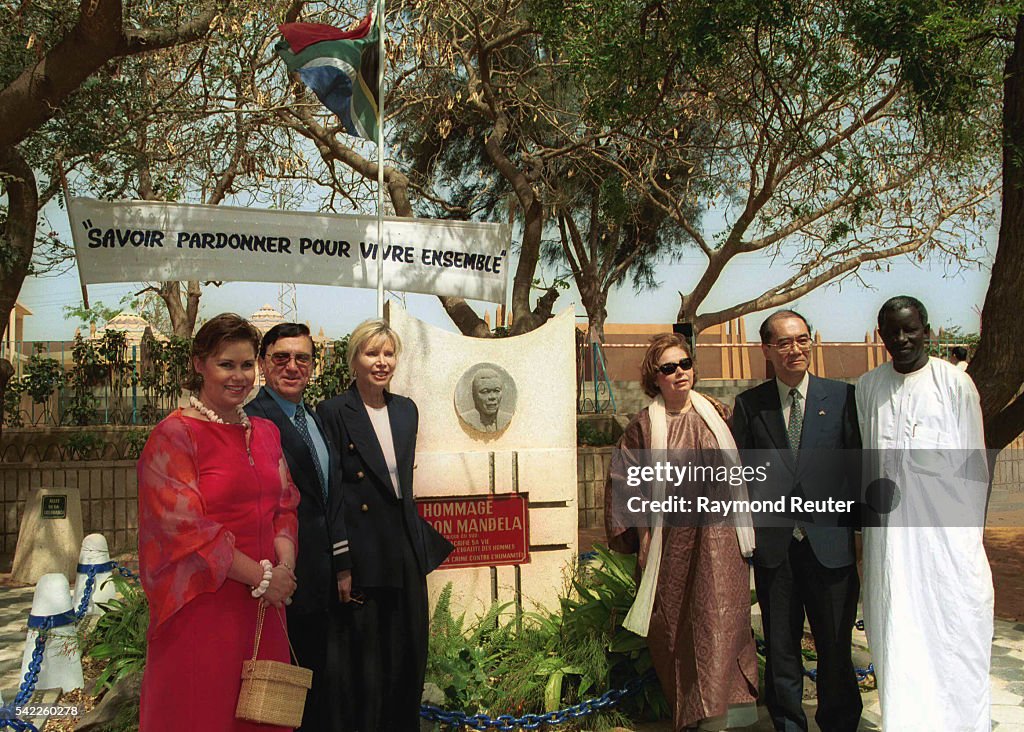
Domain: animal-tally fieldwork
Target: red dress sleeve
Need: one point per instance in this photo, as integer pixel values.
(286, 519)
(182, 553)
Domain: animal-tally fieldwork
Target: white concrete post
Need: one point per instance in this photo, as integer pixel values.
(94, 551)
(62, 658)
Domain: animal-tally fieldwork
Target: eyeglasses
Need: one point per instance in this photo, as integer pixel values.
(281, 358)
(670, 368)
(791, 344)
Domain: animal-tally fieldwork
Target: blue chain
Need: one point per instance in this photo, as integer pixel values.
(90, 582)
(508, 723)
(27, 688)
(44, 625)
(812, 673)
(125, 572)
(7, 719)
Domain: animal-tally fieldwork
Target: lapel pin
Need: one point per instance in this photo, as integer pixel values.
(821, 412)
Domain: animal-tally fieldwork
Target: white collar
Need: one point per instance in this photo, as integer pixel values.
(784, 389)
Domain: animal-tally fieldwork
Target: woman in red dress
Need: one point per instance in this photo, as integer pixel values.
(217, 530)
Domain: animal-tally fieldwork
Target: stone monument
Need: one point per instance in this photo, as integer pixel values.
(50, 535)
(497, 438)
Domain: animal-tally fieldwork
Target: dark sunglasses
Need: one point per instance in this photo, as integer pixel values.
(670, 368)
(281, 358)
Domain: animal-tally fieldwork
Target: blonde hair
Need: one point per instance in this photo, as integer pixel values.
(367, 332)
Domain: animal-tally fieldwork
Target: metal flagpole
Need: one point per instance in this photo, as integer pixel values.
(380, 158)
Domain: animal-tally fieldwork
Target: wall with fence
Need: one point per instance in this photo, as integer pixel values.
(109, 490)
(725, 352)
(1008, 474)
(742, 361)
(109, 381)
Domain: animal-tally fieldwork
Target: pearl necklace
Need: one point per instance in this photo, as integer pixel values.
(243, 418)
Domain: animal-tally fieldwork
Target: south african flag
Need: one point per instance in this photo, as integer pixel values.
(340, 67)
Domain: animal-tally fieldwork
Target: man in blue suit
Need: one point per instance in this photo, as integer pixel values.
(323, 565)
(803, 565)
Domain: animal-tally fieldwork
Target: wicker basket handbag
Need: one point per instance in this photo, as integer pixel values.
(272, 692)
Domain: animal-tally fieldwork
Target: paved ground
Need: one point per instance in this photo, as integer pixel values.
(15, 603)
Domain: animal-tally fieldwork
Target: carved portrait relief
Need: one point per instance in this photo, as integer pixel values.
(485, 398)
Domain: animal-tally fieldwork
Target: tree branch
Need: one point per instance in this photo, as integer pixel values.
(97, 37)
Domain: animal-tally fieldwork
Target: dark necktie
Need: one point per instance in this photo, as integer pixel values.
(303, 428)
(796, 420)
(793, 429)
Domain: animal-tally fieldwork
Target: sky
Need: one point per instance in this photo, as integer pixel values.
(841, 312)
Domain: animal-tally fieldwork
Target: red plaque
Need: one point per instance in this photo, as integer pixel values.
(487, 531)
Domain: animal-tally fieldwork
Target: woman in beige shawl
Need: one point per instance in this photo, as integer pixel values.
(693, 603)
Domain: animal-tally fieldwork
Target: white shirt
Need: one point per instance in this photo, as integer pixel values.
(787, 402)
(382, 426)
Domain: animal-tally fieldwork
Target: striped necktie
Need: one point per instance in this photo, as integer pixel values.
(303, 428)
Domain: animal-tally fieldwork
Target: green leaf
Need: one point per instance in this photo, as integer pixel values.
(553, 692)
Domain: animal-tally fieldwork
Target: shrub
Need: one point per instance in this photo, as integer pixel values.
(332, 376)
(542, 661)
(84, 446)
(119, 638)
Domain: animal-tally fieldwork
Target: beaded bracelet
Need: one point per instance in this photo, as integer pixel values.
(268, 572)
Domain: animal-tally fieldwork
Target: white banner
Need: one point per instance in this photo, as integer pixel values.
(144, 241)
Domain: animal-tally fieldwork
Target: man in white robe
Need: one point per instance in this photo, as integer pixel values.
(928, 596)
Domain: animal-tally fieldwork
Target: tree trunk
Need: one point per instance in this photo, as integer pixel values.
(192, 294)
(19, 233)
(464, 317)
(595, 326)
(527, 319)
(594, 303)
(6, 372)
(998, 365)
(183, 314)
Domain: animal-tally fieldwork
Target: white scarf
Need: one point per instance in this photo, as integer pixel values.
(639, 617)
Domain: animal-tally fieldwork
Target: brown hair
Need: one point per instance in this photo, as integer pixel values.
(215, 332)
(649, 368)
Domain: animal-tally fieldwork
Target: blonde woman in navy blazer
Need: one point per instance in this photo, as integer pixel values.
(392, 549)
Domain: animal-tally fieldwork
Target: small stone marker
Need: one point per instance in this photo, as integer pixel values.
(50, 535)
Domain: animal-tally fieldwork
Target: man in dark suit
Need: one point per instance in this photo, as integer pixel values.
(804, 565)
(323, 565)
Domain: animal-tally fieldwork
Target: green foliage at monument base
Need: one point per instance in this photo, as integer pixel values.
(542, 661)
